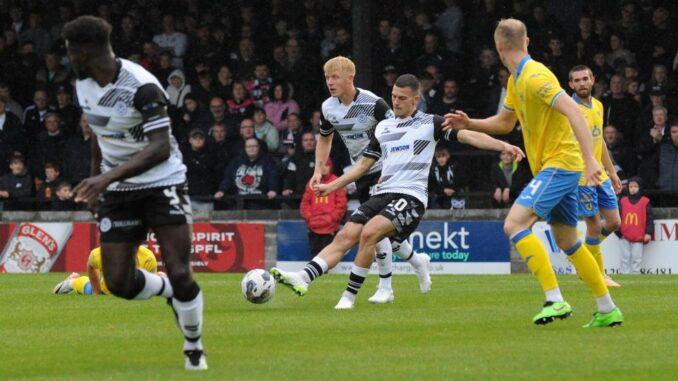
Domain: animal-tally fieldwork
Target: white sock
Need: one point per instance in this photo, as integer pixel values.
(189, 315)
(313, 269)
(605, 303)
(355, 281)
(554, 295)
(155, 286)
(384, 263)
(405, 252)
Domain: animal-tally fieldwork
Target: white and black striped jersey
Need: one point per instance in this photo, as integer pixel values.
(120, 114)
(355, 122)
(406, 147)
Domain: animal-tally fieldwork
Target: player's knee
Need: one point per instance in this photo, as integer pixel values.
(369, 235)
(510, 227)
(593, 225)
(181, 279)
(121, 288)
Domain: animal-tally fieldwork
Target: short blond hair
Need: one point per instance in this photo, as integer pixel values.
(512, 33)
(339, 64)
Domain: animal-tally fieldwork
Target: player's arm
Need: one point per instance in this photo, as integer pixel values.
(356, 172)
(500, 124)
(322, 150)
(472, 138)
(94, 281)
(575, 115)
(151, 102)
(609, 167)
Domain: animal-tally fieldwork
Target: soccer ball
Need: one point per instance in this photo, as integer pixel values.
(258, 286)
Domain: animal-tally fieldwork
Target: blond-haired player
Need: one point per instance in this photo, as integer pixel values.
(94, 283)
(550, 121)
(354, 113)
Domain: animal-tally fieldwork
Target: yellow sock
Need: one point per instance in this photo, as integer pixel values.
(80, 285)
(587, 269)
(536, 257)
(593, 245)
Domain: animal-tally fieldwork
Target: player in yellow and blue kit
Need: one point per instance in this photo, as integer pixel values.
(550, 121)
(94, 283)
(595, 201)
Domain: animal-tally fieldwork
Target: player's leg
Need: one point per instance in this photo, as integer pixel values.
(373, 232)
(564, 227)
(607, 203)
(67, 285)
(330, 256)
(420, 262)
(384, 258)
(82, 286)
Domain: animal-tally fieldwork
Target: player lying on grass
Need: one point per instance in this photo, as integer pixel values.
(406, 144)
(94, 283)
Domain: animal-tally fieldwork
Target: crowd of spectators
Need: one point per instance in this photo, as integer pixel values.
(245, 84)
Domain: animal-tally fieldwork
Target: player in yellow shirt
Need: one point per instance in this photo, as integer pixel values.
(94, 283)
(550, 121)
(595, 201)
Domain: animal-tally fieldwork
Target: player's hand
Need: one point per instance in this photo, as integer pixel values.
(315, 180)
(90, 188)
(616, 183)
(93, 207)
(457, 120)
(517, 153)
(593, 173)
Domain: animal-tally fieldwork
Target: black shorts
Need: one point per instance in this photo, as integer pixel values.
(364, 186)
(126, 215)
(404, 211)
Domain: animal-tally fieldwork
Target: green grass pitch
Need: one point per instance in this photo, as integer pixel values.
(467, 328)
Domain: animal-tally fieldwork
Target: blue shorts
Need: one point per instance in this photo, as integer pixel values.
(592, 199)
(552, 195)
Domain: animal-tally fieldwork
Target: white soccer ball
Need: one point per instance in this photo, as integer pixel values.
(258, 286)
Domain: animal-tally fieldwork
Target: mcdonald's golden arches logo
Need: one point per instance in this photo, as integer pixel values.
(631, 219)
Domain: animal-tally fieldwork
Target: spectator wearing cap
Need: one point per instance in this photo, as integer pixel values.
(52, 75)
(34, 115)
(11, 136)
(265, 130)
(16, 187)
(76, 164)
(668, 164)
(201, 164)
(252, 174)
(240, 105)
(280, 106)
(49, 145)
(648, 142)
(171, 40)
(70, 115)
(259, 87)
(389, 75)
(178, 88)
(300, 168)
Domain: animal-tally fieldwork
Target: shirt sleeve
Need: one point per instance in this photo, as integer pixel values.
(326, 128)
(545, 87)
(373, 149)
(509, 102)
(382, 110)
(151, 102)
(438, 133)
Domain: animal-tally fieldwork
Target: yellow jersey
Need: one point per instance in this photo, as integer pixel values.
(145, 260)
(594, 117)
(548, 136)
